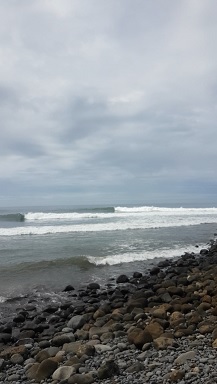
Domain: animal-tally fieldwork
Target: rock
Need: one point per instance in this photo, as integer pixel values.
(108, 369)
(2, 364)
(5, 338)
(163, 342)
(214, 344)
(77, 321)
(122, 279)
(17, 358)
(137, 275)
(102, 348)
(71, 347)
(85, 349)
(154, 271)
(63, 373)
(136, 367)
(181, 359)
(45, 369)
(176, 375)
(68, 288)
(42, 355)
(98, 331)
(59, 340)
(139, 337)
(176, 318)
(9, 351)
(15, 377)
(81, 379)
(93, 286)
(32, 371)
(155, 329)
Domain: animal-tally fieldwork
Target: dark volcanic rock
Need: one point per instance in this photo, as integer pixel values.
(122, 279)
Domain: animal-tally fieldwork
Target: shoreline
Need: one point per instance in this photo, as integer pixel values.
(134, 328)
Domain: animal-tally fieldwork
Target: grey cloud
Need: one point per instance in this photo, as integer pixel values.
(98, 95)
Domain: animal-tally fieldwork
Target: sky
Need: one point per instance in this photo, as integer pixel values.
(107, 101)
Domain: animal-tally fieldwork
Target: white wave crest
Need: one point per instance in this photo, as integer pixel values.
(163, 222)
(153, 209)
(67, 216)
(141, 256)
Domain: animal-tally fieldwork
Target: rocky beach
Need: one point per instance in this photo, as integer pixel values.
(154, 327)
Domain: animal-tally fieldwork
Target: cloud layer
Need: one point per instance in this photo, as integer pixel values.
(107, 101)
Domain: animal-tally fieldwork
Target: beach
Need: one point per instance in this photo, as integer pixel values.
(154, 327)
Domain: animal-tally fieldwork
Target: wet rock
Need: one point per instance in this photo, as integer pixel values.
(93, 286)
(122, 279)
(68, 288)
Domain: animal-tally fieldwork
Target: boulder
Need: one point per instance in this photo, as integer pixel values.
(59, 340)
(122, 279)
(139, 337)
(77, 321)
(155, 329)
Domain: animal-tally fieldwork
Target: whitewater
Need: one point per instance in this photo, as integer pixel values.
(46, 248)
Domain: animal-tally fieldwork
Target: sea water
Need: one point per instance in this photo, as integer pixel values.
(44, 249)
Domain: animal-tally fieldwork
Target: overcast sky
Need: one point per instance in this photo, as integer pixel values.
(107, 101)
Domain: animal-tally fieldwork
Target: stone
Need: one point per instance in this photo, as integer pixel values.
(155, 329)
(108, 370)
(77, 321)
(15, 377)
(71, 347)
(136, 367)
(2, 364)
(42, 355)
(122, 279)
(85, 349)
(181, 359)
(176, 318)
(17, 358)
(59, 340)
(102, 348)
(98, 331)
(93, 286)
(154, 271)
(68, 288)
(9, 351)
(5, 338)
(176, 375)
(46, 369)
(163, 342)
(63, 373)
(81, 379)
(139, 337)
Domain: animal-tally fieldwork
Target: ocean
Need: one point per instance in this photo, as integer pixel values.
(44, 249)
